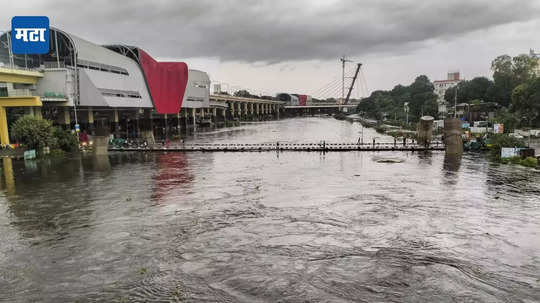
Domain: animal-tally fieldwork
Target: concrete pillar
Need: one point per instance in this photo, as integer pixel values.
(67, 118)
(178, 124)
(29, 110)
(194, 117)
(7, 167)
(452, 136)
(37, 112)
(91, 126)
(148, 127)
(166, 126)
(425, 130)
(100, 145)
(116, 123)
(186, 122)
(4, 134)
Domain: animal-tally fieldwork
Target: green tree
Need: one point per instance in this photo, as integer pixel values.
(33, 132)
(526, 102)
(65, 140)
(244, 93)
(423, 100)
(479, 88)
(523, 68)
(508, 73)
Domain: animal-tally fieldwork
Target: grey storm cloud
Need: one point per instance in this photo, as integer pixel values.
(277, 30)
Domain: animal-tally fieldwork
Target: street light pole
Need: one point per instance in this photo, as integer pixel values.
(455, 102)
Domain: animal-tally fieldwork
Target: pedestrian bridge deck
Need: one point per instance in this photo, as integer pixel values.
(279, 146)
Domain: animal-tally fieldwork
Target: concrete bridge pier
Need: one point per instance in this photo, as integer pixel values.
(147, 132)
(452, 136)
(91, 125)
(194, 119)
(116, 124)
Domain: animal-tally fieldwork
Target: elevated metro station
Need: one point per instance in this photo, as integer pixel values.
(116, 88)
(121, 87)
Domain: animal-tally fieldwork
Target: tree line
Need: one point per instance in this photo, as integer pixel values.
(515, 88)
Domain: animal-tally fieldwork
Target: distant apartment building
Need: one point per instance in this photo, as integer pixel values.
(537, 56)
(440, 88)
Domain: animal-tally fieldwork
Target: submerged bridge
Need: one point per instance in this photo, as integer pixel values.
(279, 146)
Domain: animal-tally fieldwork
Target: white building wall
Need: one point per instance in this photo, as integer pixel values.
(104, 80)
(197, 93)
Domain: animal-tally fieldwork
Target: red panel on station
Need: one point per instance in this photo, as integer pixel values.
(167, 82)
(302, 100)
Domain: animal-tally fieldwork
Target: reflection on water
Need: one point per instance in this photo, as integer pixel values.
(290, 226)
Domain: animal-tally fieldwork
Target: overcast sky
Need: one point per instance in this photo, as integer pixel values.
(294, 45)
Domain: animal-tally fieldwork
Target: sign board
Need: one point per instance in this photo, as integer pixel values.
(465, 125)
(30, 154)
(498, 128)
(30, 35)
(77, 128)
(509, 152)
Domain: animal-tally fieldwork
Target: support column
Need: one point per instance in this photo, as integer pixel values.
(91, 126)
(116, 124)
(29, 111)
(166, 126)
(67, 118)
(148, 127)
(186, 119)
(214, 115)
(37, 112)
(178, 124)
(194, 116)
(137, 124)
(4, 134)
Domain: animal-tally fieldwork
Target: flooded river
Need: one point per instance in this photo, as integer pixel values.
(270, 227)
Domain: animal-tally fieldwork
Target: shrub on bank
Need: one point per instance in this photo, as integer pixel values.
(65, 140)
(36, 133)
(529, 162)
(498, 141)
(33, 132)
(511, 160)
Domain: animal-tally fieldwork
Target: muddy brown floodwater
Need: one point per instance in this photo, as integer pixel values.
(270, 227)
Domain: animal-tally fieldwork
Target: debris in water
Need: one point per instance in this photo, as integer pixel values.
(388, 160)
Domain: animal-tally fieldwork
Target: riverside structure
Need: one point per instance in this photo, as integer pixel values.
(122, 90)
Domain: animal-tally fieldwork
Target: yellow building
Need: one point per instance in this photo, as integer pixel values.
(16, 91)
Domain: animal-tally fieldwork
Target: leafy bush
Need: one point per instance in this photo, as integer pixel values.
(65, 140)
(498, 141)
(529, 162)
(33, 132)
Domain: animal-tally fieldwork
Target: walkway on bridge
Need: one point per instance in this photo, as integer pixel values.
(279, 146)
